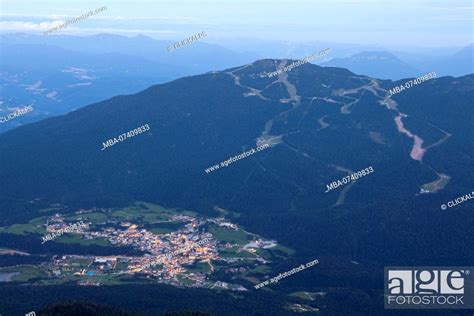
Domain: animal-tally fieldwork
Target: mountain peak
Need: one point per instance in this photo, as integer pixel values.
(376, 64)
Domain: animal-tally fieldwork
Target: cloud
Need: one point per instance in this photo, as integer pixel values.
(179, 19)
(114, 30)
(37, 16)
(144, 18)
(28, 26)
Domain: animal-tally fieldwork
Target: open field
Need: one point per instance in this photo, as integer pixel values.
(230, 235)
(438, 184)
(27, 272)
(307, 295)
(34, 226)
(77, 239)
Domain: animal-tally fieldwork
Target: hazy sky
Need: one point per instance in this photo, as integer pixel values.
(436, 23)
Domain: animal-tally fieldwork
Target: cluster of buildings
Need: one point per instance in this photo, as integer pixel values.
(181, 257)
(185, 245)
(56, 223)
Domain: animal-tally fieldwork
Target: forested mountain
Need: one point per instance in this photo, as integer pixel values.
(322, 124)
(320, 121)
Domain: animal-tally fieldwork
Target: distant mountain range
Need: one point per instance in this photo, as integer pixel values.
(59, 73)
(381, 65)
(196, 58)
(384, 65)
(56, 80)
(459, 64)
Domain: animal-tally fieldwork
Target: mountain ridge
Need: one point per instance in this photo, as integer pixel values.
(315, 118)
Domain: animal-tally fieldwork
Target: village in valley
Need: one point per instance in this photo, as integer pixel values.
(179, 248)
